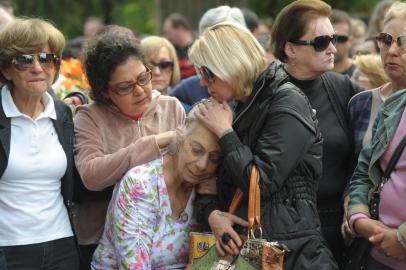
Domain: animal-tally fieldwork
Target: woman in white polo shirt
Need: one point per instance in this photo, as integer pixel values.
(36, 156)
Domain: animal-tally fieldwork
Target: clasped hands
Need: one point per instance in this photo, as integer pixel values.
(383, 238)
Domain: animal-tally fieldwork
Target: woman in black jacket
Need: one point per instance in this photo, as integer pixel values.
(274, 128)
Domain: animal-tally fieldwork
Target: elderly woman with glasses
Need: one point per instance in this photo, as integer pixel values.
(151, 212)
(163, 61)
(306, 45)
(127, 124)
(364, 107)
(274, 129)
(36, 152)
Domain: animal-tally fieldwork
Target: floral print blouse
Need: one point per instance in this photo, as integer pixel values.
(139, 232)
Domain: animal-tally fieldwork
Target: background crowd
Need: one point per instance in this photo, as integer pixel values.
(114, 146)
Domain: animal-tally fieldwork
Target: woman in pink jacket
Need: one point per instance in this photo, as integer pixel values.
(127, 124)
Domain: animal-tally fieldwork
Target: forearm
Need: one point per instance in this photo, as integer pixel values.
(99, 170)
(205, 204)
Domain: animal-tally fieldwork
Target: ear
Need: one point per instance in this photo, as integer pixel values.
(6, 74)
(290, 50)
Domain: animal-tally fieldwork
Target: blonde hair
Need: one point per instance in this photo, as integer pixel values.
(28, 35)
(371, 66)
(152, 45)
(233, 54)
(396, 10)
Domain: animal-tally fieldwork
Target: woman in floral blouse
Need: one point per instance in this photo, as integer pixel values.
(151, 211)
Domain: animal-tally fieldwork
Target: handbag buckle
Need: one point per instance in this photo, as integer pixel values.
(251, 233)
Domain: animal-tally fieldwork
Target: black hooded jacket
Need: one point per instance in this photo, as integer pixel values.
(276, 129)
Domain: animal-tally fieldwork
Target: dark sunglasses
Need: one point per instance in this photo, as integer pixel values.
(126, 88)
(319, 43)
(205, 73)
(26, 61)
(342, 38)
(388, 40)
(163, 65)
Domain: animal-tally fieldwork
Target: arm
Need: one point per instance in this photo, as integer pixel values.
(99, 170)
(133, 221)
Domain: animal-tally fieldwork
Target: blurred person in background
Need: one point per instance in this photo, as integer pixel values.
(369, 72)
(341, 22)
(91, 26)
(363, 108)
(125, 125)
(307, 46)
(37, 170)
(177, 30)
(358, 28)
(163, 61)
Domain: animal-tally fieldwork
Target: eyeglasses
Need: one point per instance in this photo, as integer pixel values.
(126, 88)
(26, 61)
(388, 40)
(166, 66)
(319, 43)
(205, 73)
(342, 38)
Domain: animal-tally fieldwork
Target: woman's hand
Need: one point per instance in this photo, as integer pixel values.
(387, 243)
(220, 223)
(367, 227)
(217, 117)
(165, 138)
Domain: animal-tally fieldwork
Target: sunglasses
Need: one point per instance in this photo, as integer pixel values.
(126, 88)
(319, 43)
(26, 61)
(342, 38)
(388, 40)
(205, 73)
(166, 66)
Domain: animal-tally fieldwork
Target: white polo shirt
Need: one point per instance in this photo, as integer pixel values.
(31, 204)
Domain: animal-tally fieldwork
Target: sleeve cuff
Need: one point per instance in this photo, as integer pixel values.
(352, 220)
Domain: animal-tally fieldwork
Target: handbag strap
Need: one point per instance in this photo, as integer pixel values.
(393, 161)
(254, 201)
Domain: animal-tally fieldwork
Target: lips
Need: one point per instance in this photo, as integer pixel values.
(141, 102)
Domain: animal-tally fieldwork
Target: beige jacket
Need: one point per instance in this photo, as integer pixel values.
(108, 144)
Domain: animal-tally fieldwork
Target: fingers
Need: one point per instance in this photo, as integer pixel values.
(220, 249)
(238, 220)
(376, 238)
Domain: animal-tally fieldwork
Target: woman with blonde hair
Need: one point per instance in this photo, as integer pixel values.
(369, 73)
(161, 57)
(274, 129)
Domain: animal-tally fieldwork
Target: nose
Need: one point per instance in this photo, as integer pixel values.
(394, 48)
(331, 48)
(36, 66)
(202, 163)
(156, 70)
(138, 90)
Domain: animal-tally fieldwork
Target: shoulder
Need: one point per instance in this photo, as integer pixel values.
(168, 104)
(91, 111)
(143, 179)
(362, 97)
(341, 84)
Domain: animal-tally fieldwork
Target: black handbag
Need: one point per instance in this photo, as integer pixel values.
(357, 254)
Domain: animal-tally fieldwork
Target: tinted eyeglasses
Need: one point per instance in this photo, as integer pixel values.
(126, 88)
(387, 40)
(319, 43)
(165, 66)
(26, 61)
(205, 73)
(342, 38)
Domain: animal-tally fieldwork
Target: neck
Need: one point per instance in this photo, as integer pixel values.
(342, 65)
(299, 74)
(28, 105)
(186, 39)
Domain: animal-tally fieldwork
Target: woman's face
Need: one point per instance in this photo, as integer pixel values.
(219, 89)
(304, 58)
(126, 76)
(391, 55)
(31, 78)
(162, 70)
(198, 155)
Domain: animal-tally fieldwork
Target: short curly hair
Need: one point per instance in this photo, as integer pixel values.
(103, 55)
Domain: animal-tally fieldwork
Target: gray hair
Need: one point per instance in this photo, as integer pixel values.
(221, 14)
(186, 129)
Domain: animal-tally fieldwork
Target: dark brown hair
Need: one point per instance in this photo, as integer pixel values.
(292, 23)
